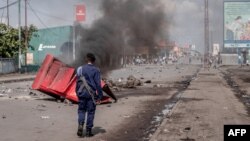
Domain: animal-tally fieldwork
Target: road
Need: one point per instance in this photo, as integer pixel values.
(205, 107)
(34, 116)
(183, 102)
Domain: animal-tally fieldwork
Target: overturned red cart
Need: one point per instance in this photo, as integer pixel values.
(59, 80)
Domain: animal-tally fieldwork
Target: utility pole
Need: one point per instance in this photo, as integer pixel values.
(74, 41)
(19, 34)
(8, 21)
(26, 32)
(206, 33)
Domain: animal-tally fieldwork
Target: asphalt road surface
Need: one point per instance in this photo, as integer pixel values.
(181, 103)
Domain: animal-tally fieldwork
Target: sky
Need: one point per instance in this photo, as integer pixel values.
(185, 18)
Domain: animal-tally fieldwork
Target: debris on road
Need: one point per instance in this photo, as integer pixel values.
(4, 117)
(126, 116)
(32, 94)
(132, 82)
(9, 91)
(68, 102)
(157, 86)
(148, 81)
(42, 105)
(45, 117)
(3, 95)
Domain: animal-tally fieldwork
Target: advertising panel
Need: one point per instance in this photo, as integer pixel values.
(56, 41)
(237, 24)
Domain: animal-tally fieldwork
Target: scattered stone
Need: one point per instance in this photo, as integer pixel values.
(58, 101)
(116, 89)
(245, 96)
(157, 86)
(108, 105)
(119, 80)
(3, 95)
(32, 93)
(4, 117)
(45, 117)
(165, 130)
(9, 91)
(187, 129)
(142, 78)
(131, 77)
(110, 83)
(42, 105)
(132, 82)
(66, 101)
(148, 81)
(187, 139)
(137, 82)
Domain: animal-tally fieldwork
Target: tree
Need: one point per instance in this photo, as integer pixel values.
(9, 41)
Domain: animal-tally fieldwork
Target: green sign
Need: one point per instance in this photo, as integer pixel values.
(49, 41)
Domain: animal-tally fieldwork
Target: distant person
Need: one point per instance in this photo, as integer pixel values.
(240, 60)
(210, 62)
(87, 97)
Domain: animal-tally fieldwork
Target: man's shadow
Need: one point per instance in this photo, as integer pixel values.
(98, 130)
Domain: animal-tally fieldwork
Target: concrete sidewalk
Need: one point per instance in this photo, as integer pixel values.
(203, 110)
(8, 78)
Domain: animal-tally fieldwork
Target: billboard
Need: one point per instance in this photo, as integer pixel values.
(80, 13)
(237, 24)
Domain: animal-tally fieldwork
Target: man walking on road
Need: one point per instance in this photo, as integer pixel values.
(88, 82)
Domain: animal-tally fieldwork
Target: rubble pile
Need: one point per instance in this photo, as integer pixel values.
(131, 82)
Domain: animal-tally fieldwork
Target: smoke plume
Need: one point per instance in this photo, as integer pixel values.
(124, 26)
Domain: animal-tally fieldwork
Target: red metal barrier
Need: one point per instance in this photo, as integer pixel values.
(56, 78)
(42, 72)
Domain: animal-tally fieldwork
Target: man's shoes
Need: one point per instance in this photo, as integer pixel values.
(80, 130)
(89, 132)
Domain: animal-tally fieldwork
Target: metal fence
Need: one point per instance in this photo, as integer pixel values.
(8, 65)
(229, 59)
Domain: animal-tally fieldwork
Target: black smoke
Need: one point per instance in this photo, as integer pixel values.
(124, 26)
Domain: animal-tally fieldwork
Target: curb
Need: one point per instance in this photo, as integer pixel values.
(17, 80)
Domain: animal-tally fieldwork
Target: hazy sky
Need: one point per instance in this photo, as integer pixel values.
(51, 12)
(185, 17)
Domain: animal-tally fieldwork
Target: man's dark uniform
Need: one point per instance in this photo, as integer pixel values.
(86, 104)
